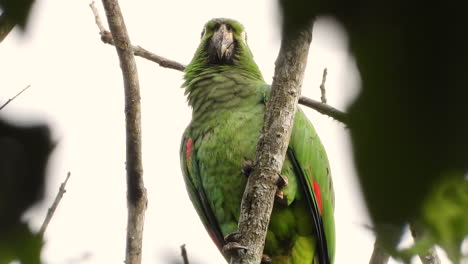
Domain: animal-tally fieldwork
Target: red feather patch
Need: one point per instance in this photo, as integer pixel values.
(213, 237)
(188, 149)
(316, 190)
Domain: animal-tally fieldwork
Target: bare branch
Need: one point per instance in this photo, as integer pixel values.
(11, 99)
(183, 252)
(379, 256)
(54, 206)
(323, 97)
(257, 201)
(106, 37)
(136, 192)
(430, 257)
(324, 109)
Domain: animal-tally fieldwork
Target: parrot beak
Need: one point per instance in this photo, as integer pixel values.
(223, 43)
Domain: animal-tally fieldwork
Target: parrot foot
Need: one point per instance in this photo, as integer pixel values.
(266, 259)
(282, 181)
(247, 167)
(233, 248)
(233, 237)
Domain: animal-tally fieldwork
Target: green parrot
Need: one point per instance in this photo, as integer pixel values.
(228, 94)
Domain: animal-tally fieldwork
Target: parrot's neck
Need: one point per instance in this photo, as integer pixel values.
(216, 93)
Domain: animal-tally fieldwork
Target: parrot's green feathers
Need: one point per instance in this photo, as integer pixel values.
(228, 94)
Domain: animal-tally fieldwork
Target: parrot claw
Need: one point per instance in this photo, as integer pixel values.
(247, 167)
(282, 181)
(266, 259)
(233, 237)
(233, 248)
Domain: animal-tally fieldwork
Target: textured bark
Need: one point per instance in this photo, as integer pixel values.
(257, 201)
(136, 192)
(379, 256)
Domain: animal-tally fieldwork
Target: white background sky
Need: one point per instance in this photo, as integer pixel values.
(76, 87)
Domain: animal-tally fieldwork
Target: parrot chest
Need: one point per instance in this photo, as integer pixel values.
(221, 150)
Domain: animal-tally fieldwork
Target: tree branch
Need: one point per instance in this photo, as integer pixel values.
(136, 192)
(106, 37)
(54, 206)
(14, 97)
(324, 109)
(257, 201)
(379, 256)
(430, 257)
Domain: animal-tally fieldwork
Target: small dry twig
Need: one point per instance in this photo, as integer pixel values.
(323, 97)
(54, 206)
(106, 37)
(183, 252)
(11, 99)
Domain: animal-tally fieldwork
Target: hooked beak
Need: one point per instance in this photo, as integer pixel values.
(222, 42)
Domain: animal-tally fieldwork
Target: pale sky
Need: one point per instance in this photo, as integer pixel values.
(76, 87)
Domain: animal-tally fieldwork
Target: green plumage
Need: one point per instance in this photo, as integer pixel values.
(227, 93)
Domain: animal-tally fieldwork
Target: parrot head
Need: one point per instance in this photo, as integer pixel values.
(223, 47)
(223, 40)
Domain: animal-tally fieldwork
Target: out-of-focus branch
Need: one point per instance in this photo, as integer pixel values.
(258, 198)
(106, 37)
(54, 206)
(136, 192)
(430, 257)
(14, 97)
(379, 256)
(183, 252)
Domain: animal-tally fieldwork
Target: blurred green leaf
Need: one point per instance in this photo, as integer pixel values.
(409, 123)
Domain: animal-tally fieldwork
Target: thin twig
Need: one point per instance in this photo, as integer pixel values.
(136, 191)
(430, 257)
(54, 206)
(106, 37)
(379, 256)
(324, 109)
(183, 252)
(323, 97)
(11, 99)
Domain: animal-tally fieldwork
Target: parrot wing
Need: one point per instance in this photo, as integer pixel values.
(197, 194)
(311, 167)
